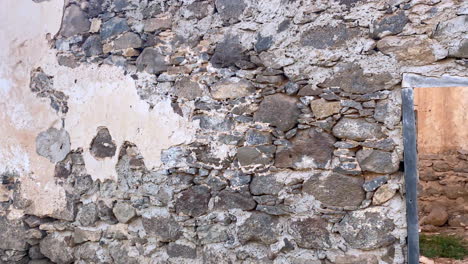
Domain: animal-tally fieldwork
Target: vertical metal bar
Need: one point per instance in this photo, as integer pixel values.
(411, 174)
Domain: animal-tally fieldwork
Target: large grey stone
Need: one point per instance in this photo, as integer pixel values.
(357, 129)
(175, 250)
(460, 50)
(378, 161)
(260, 155)
(124, 212)
(259, 227)
(127, 40)
(350, 78)
(255, 137)
(188, 89)
(87, 215)
(328, 36)
(53, 144)
(279, 110)
(102, 145)
(230, 200)
(311, 233)
(74, 21)
(12, 234)
(309, 149)
(56, 247)
(113, 26)
(165, 229)
(92, 46)
(194, 201)
(389, 25)
(267, 184)
(152, 61)
(367, 229)
(228, 52)
(335, 189)
(208, 234)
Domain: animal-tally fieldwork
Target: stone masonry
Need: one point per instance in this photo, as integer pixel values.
(215, 131)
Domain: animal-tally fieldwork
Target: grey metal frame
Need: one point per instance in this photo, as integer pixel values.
(409, 82)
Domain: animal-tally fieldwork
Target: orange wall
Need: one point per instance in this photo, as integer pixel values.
(442, 119)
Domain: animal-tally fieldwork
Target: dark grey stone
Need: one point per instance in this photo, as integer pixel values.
(367, 229)
(238, 178)
(194, 201)
(229, 200)
(350, 78)
(113, 26)
(152, 61)
(279, 110)
(165, 229)
(357, 129)
(74, 21)
(102, 145)
(228, 52)
(214, 123)
(375, 183)
(261, 185)
(311, 233)
(309, 149)
(35, 253)
(188, 89)
(378, 161)
(175, 250)
(53, 144)
(263, 43)
(127, 40)
(284, 25)
(461, 50)
(56, 247)
(230, 10)
(389, 25)
(92, 46)
(335, 189)
(261, 155)
(325, 37)
(291, 88)
(276, 210)
(259, 227)
(254, 137)
(200, 9)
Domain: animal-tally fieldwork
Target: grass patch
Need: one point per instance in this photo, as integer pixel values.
(442, 246)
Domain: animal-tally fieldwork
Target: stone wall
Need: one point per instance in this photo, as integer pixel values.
(443, 191)
(226, 131)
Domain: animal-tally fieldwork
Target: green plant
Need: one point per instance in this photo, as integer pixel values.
(443, 246)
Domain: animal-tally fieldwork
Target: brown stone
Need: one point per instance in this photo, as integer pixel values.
(322, 108)
(437, 217)
(383, 194)
(231, 88)
(410, 50)
(309, 149)
(194, 201)
(311, 233)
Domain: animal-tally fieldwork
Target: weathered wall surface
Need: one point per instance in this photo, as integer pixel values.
(227, 131)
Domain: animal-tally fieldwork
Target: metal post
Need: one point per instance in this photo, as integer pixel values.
(411, 175)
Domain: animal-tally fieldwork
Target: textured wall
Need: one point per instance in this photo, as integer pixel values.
(227, 131)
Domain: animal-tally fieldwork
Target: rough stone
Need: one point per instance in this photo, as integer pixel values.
(383, 194)
(231, 200)
(124, 212)
(378, 161)
(209, 234)
(74, 22)
(254, 137)
(102, 145)
(359, 233)
(259, 227)
(309, 148)
(82, 235)
(175, 250)
(152, 61)
(159, 23)
(165, 229)
(311, 233)
(323, 109)
(350, 78)
(194, 201)
(261, 185)
(460, 50)
(335, 189)
(113, 26)
(230, 10)
(389, 25)
(365, 259)
(228, 52)
(261, 155)
(53, 144)
(12, 234)
(438, 216)
(278, 110)
(127, 40)
(372, 185)
(417, 50)
(92, 46)
(34, 252)
(357, 129)
(87, 215)
(263, 43)
(56, 247)
(231, 88)
(188, 89)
